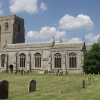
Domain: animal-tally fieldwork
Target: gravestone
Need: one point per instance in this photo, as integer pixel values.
(22, 72)
(46, 72)
(57, 73)
(32, 86)
(83, 83)
(66, 72)
(27, 71)
(89, 80)
(4, 89)
(60, 73)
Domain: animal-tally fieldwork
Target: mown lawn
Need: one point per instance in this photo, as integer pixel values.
(50, 87)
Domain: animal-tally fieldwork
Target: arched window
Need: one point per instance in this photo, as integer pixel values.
(72, 60)
(6, 26)
(57, 60)
(37, 60)
(22, 60)
(2, 60)
(19, 28)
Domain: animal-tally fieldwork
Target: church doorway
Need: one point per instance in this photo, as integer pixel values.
(11, 68)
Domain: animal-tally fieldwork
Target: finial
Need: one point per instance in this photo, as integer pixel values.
(53, 40)
(83, 38)
(60, 40)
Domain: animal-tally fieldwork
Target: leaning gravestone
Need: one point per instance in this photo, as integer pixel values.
(4, 89)
(32, 86)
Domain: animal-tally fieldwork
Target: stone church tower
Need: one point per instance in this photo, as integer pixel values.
(11, 30)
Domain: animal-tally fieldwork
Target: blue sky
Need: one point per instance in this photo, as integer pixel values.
(69, 19)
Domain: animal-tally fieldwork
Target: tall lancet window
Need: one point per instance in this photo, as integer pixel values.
(2, 60)
(57, 60)
(37, 60)
(72, 60)
(22, 60)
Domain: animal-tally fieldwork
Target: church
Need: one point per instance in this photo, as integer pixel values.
(16, 55)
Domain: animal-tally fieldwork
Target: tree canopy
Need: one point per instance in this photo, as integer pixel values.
(92, 60)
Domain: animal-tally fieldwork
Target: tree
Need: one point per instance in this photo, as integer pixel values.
(92, 60)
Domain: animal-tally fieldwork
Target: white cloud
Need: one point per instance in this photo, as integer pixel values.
(91, 38)
(29, 6)
(46, 33)
(32, 34)
(1, 11)
(71, 22)
(75, 40)
(43, 6)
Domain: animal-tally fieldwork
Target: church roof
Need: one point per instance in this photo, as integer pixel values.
(45, 44)
(69, 44)
(29, 45)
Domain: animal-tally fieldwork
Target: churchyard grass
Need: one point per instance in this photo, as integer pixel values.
(51, 87)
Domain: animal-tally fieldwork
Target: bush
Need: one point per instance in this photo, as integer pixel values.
(92, 60)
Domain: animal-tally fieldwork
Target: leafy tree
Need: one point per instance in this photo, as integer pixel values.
(92, 60)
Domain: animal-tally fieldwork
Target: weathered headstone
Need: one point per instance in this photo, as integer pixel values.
(66, 72)
(89, 80)
(83, 83)
(57, 73)
(32, 86)
(4, 89)
(61, 73)
(27, 71)
(22, 72)
(46, 72)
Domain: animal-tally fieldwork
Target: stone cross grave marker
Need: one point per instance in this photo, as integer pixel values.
(32, 86)
(4, 89)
